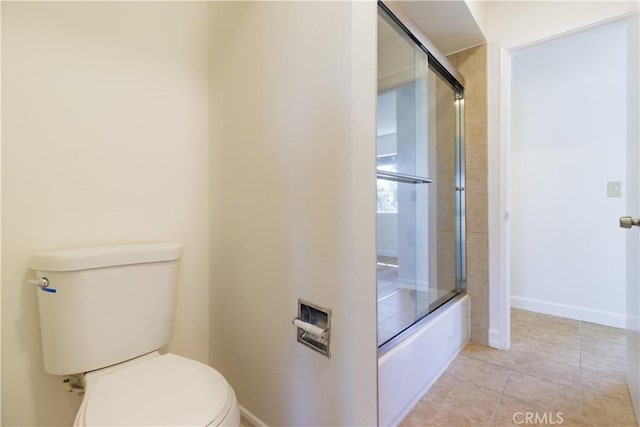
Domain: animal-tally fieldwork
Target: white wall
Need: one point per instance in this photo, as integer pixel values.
(452, 26)
(510, 25)
(568, 139)
(479, 10)
(293, 93)
(104, 139)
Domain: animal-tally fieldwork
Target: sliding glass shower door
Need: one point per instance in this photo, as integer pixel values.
(420, 219)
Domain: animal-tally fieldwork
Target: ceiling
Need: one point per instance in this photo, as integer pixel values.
(449, 25)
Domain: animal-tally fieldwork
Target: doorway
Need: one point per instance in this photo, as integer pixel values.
(568, 175)
(571, 178)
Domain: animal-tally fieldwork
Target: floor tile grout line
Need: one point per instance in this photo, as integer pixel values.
(511, 371)
(522, 349)
(499, 393)
(582, 420)
(495, 409)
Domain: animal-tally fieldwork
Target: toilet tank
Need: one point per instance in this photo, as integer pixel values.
(105, 304)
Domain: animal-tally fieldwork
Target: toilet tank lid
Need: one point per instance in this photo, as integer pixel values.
(85, 258)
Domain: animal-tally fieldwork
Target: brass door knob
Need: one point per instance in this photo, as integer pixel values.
(628, 222)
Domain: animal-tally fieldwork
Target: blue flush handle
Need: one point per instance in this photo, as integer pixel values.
(43, 284)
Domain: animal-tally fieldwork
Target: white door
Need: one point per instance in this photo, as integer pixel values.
(633, 235)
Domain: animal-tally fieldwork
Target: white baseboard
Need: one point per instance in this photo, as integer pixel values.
(617, 320)
(495, 339)
(247, 419)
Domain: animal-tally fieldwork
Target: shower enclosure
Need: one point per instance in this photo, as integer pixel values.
(420, 182)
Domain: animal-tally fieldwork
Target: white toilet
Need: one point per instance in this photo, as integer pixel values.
(104, 313)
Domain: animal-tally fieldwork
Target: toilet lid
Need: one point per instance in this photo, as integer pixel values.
(167, 390)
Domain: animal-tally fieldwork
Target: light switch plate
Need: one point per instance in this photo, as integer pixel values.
(614, 189)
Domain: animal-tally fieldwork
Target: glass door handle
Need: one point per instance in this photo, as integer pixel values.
(628, 222)
(402, 177)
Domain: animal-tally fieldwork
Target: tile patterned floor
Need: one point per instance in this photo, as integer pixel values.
(557, 372)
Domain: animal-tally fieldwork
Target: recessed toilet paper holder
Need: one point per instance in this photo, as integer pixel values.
(313, 326)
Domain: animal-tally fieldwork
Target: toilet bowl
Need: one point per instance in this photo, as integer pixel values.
(104, 314)
(158, 390)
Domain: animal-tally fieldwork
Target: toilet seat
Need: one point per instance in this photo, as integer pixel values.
(158, 390)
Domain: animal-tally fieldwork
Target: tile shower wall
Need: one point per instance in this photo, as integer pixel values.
(472, 64)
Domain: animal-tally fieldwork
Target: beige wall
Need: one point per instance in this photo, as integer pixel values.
(293, 207)
(472, 64)
(104, 139)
